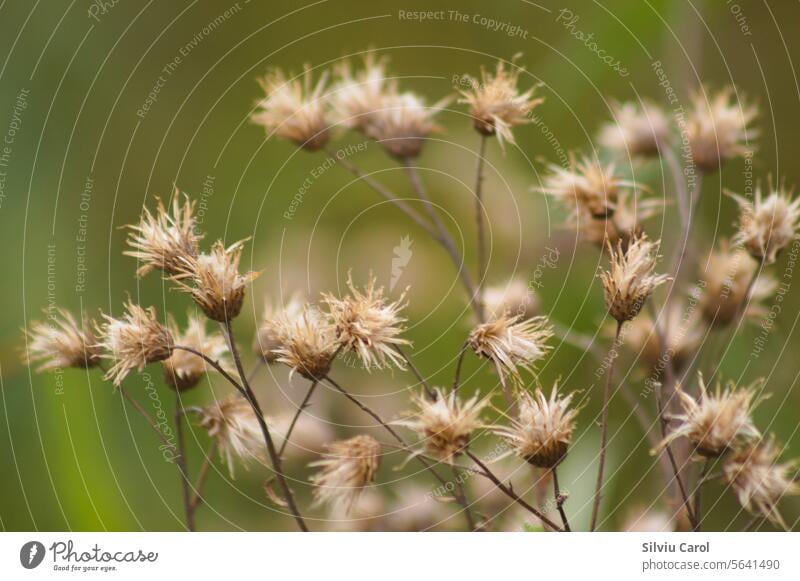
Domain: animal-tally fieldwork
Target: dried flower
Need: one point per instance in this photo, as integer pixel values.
(729, 286)
(164, 240)
(357, 95)
(543, 431)
(759, 480)
(718, 130)
(268, 336)
(183, 369)
(294, 109)
(767, 226)
(403, 123)
(233, 425)
(214, 282)
(586, 186)
(445, 424)
(717, 421)
(510, 341)
(61, 341)
(622, 226)
(308, 344)
(366, 323)
(495, 103)
(639, 129)
(347, 468)
(514, 296)
(681, 332)
(630, 280)
(133, 341)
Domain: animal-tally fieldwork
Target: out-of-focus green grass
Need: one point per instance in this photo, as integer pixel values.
(75, 458)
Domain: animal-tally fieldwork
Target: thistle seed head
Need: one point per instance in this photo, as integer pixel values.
(638, 129)
(587, 186)
(767, 226)
(511, 342)
(403, 123)
(514, 296)
(348, 467)
(308, 343)
(368, 324)
(718, 130)
(357, 95)
(183, 370)
(232, 424)
(294, 109)
(268, 336)
(496, 104)
(164, 240)
(680, 330)
(133, 341)
(214, 282)
(61, 341)
(630, 280)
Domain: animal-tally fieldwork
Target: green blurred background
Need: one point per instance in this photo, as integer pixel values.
(82, 163)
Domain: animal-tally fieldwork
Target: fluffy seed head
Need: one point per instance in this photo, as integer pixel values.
(639, 129)
(717, 421)
(511, 342)
(233, 425)
(759, 480)
(347, 468)
(368, 324)
(183, 370)
(543, 431)
(496, 104)
(587, 186)
(294, 109)
(165, 239)
(445, 424)
(728, 277)
(681, 332)
(357, 95)
(718, 130)
(61, 341)
(403, 123)
(514, 296)
(214, 282)
(133, 341)
(630, 280)
(268, 336)
(621, 227)
(767, 226)
(308, 343)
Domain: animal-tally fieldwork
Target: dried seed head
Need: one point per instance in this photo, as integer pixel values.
(727, 279)
(214, 282)
(718, 130)
(718, 421)
(308, 344)
(357, 95)
(511, 342)
(233, 425)
(630, 280)
(681, 332)
(294, 109)
(639, 129)
(445, 424)
(133, 341)
(61, 341)
(586, 186)
(347, 468)
(368, 324)
(621, 227)
(268, 336)
(495, 103)
(164, 240)
(183, 369)
(767, 226)
(543, 431)
(759, 480)
(515, 297)
(403, 123)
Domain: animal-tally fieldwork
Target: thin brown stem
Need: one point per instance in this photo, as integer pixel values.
(459, 364)
(461, 498)
(480, 226)
(202, 475)
(182, 466)
(424, 382)
(273, 453)
(215, 364)
(508, 491)
(559, 500)
(303, 405)
(141, 411)
(598, 487)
